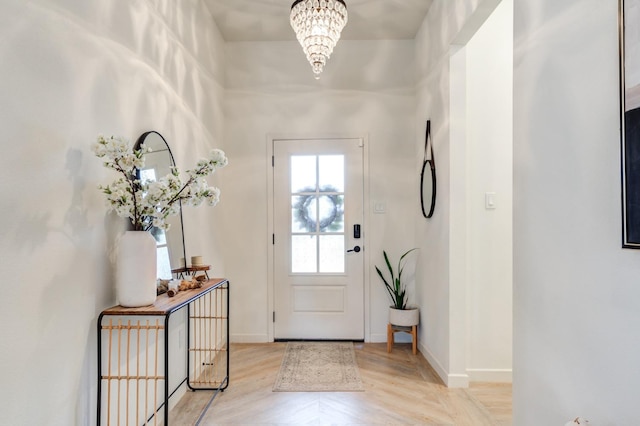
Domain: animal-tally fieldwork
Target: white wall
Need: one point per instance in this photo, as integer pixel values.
(441, 274)
(365, 90)
(488, 161)
(71, 69)
(576, 292)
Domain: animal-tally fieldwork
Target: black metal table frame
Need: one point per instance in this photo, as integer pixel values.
(167, 395)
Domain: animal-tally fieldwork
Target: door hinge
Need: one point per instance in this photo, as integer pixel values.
(273, 239)
(273, 161)
(274, 316)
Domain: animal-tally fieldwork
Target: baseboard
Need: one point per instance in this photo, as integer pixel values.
(177, 396)
(433, 362)
(398, 338)
(378, 338)
(249, 338)
(450, 380)
(490, 375)
(457, 381)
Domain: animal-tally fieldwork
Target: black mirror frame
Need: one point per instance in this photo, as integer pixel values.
(139, 142)
(629, 130)
(430, 161)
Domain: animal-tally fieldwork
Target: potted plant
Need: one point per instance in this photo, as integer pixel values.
(399, 313)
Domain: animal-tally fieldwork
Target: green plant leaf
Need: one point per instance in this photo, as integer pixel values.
(395, 288)
(387, 286)
(386, 259)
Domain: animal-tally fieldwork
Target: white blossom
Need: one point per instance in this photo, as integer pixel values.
(150, 203)
(218, 157)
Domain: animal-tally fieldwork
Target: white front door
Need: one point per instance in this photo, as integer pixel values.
(318, 208)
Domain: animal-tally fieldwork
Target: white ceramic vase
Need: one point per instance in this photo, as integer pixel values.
(136, 269)
(404, 317)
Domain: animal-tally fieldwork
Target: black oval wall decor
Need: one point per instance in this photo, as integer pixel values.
(428, 176)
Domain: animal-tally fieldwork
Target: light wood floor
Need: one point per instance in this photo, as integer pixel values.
(400, 389)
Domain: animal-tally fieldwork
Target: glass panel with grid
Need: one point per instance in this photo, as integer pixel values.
(317, 214)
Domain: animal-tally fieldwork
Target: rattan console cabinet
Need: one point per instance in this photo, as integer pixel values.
(135, 349)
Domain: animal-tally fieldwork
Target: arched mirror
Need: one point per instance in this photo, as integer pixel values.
(170, 244)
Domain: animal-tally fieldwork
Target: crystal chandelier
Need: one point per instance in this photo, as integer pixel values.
(318, 24)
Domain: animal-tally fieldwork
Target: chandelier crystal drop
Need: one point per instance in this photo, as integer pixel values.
(318, 24)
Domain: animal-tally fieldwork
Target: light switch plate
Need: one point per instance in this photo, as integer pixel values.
(489, 200)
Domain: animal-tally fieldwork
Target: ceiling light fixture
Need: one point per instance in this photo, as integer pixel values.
(318, 24)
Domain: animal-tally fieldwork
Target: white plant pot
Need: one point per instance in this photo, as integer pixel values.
(404, 317)
(136, 269)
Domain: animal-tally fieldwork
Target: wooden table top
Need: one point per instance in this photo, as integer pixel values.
(165, 304)
(192, 268)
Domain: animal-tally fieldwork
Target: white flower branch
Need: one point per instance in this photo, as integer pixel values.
(149, 204)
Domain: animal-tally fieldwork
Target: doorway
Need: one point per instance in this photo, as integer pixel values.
(318, 239)
(481, 117)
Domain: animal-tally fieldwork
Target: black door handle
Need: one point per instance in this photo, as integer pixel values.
(356, 249)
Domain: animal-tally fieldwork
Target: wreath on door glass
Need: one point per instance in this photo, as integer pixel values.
(331, 222)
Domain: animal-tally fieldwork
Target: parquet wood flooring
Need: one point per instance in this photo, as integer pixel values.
(400, 389)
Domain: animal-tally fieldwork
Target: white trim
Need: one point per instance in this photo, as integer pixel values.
(458, 220)
(377, 338)
(179, 393)
(270, 246)
(397, 338)
(450, 380)
(270, 138)
(366, 216)
(457, 381)
(496, 375)
(250, 338)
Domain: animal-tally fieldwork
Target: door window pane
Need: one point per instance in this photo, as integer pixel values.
(317, 209)
(303, 173)
(331, 213)
(304, 213)
(304, 253)
(332, 253)
(331, 173)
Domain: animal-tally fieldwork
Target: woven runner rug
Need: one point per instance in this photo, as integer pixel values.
(319, 367)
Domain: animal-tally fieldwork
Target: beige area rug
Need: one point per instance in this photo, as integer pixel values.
(319, 367)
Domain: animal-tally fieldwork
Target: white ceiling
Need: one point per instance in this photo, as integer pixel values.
(268, 20)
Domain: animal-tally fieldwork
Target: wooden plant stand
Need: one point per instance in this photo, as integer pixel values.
(412, 330)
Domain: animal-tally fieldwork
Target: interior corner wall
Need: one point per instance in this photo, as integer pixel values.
(488, 158)
(366, 90)
(71, 70)
(447, 24)
(576, 292)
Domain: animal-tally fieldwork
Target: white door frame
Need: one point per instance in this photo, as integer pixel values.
(270, 226)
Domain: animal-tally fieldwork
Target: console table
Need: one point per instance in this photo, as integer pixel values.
(133, 354)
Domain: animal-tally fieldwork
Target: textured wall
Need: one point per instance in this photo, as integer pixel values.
(489, 159)
(441, 292)
(69, 70)
(576, 315)
(365, 90)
